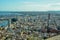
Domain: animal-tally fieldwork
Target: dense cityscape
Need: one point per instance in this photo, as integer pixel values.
(29, 26)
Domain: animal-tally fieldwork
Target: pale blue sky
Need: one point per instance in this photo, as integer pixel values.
(29, 5)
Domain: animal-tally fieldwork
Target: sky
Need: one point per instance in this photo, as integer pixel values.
(29, 5)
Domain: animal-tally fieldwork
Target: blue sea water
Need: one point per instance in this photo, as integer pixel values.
(6, 14)
(3, 23)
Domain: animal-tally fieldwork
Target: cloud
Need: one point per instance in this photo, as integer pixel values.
(54, 6)
(32, 6)
(36, 6)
